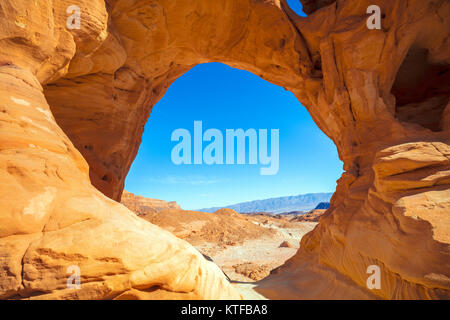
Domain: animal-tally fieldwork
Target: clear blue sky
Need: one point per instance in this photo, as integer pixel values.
(297, 7)
(226, 98)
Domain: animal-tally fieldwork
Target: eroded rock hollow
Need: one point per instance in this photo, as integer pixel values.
(73, 104)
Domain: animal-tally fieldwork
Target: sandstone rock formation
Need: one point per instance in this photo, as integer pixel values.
(73, 104)
(313, 216)
(52, 217)
(143, 206)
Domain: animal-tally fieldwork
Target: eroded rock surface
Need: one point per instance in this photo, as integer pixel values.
(73, 104)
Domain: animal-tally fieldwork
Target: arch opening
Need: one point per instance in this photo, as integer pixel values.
(193, 195)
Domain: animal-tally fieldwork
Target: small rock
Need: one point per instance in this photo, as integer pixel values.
(286, 244)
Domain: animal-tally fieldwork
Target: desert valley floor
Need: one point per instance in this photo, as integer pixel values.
(247, 247)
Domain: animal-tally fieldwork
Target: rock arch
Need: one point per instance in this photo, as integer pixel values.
(60, 88)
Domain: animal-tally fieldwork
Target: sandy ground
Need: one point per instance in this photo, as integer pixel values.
(264, 252)
(245, 246)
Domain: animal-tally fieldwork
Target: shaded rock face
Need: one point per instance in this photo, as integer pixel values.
(323, 205)
(74, 104)
(309, 6)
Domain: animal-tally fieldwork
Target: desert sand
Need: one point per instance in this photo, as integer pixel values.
(245, 246)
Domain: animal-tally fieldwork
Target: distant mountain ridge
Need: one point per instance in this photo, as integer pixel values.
(302, 202)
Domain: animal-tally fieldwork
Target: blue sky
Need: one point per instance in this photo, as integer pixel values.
(225, 98)
(297, 7)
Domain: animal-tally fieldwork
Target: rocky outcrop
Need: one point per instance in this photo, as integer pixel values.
(286, 244)
(222, 228)
(392, 204)
(252, 271)
(53, 221)
(312, 216)
(144, 206)
(74, 104)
